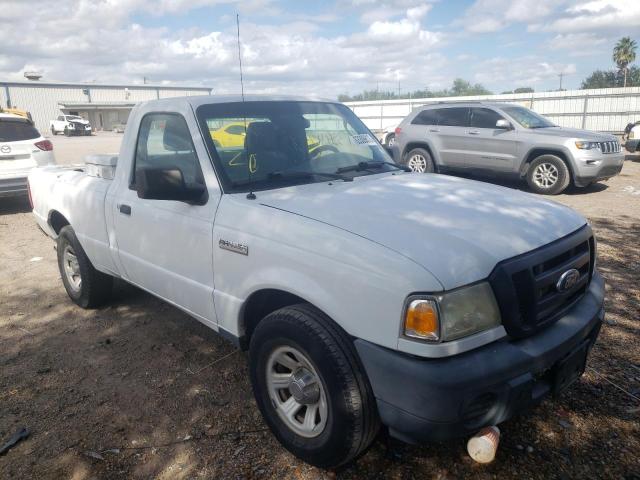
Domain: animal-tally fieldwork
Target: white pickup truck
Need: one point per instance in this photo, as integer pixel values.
(366, 295)
(70, 125)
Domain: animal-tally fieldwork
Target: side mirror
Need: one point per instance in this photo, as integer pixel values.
(503, 124)
(168, 184)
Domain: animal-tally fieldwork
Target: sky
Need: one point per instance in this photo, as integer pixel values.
(321, 48)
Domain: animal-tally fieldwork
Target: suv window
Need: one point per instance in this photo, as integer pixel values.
(15, 130)
(426, 117)
(164, 141)
(484, 118)
(61, 118)
(453, 117)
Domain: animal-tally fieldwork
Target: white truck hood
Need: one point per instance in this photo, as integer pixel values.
(455, 228)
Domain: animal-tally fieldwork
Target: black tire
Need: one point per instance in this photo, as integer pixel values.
(95, 287)
(419, 156)
(53, 131)
(391, 139)
(551, 163)
(67, 133)
(352, 421)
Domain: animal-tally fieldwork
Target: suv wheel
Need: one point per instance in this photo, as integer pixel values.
(419, 160)
(310, 387)
(53, 131)
(548, 175)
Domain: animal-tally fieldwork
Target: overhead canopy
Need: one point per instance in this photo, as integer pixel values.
(96, 105)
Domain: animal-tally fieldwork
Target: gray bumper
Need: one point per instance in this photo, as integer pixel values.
(609, 166)
(10, 187)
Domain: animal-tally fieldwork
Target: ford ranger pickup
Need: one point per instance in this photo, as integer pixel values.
(367, 296)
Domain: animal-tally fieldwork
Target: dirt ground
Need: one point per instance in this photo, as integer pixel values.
(140, 390)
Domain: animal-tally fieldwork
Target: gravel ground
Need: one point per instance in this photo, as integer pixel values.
(131, 390)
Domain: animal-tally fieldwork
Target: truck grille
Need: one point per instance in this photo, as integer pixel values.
(526, 287)
(610, 147)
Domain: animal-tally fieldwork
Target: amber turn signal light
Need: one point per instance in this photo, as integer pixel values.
(421, 320)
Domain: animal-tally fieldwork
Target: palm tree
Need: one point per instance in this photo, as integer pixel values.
(624, 53)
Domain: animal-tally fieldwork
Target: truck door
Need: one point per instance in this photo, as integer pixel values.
(165, 246)
(494, 149)
(453, 144)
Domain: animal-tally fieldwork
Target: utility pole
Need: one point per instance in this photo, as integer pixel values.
(144, 80)
(561, 75)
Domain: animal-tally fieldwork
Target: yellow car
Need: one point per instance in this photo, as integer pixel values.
(233, 134)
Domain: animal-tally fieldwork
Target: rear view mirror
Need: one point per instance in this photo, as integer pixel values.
(167, 184)
(503, 124)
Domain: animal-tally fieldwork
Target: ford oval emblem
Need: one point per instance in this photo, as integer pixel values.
(568, 280)
(5, 149)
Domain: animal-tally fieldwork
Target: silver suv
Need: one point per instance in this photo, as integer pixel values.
(505, 139)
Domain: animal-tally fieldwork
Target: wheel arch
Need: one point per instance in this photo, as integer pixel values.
(539, 151)
(57, 221)
(260, 304)
(420, 144)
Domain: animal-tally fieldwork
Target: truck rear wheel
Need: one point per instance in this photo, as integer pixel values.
(311, 388)
(548, 175)
(53, 131)
(85, 285)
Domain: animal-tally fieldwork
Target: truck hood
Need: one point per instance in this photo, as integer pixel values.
(576, 133)
(455, 228)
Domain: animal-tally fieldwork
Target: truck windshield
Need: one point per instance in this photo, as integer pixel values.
(528, 118)
(255, 145)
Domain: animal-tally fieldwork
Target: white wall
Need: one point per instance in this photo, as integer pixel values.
(605, 109)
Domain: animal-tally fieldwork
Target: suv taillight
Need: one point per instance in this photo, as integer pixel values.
(398, 130)
(45, 145)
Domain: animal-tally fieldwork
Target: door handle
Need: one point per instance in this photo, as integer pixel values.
(434, 130)
(473, 132)
(124, 209)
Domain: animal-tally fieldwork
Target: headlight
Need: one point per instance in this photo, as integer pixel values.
(587, 145)
(451, 315)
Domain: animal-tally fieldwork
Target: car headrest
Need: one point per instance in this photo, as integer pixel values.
(176, 137)
(261, 137)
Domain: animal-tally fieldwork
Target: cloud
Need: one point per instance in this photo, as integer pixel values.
(486, 16)
(84, 40)
(611, 15)
(526, 71)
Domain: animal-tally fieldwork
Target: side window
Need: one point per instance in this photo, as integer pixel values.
(61, 118)
(426, 117)
(454, 117)
(484, 118)
(164, 142)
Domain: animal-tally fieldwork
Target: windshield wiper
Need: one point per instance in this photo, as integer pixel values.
(358, 167)
(306, 174)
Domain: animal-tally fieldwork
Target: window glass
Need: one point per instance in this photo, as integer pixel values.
(528, 118)
(285, 140)
(484, 118)
(426, 117)
(454, 117)
(164, 141)
(15, 130)
(61, 118)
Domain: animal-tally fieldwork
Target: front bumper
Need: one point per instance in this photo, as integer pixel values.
(10, 187)
(435, 399)
(607, 166)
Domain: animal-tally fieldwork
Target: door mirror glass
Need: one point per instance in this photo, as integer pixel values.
(167, 184)
(503, 124)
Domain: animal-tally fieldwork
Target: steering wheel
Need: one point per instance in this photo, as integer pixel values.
(322, 149)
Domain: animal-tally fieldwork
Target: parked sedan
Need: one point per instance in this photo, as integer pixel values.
(21, 148)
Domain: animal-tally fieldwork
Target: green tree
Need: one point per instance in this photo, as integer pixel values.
(624, 53)
(523, 90)
(612, 78)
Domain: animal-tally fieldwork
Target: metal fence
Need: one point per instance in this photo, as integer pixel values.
(604, 109)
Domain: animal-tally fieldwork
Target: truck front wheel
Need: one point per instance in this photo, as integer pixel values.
(311, 388)
(548, 175)
(85, 285)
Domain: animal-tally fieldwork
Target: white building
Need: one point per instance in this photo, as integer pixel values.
(102, 105)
